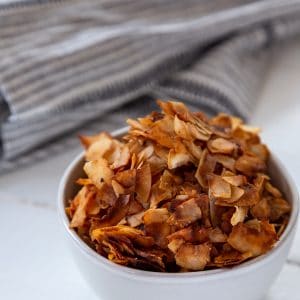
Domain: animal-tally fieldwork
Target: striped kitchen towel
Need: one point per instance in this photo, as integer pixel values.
(72, 65)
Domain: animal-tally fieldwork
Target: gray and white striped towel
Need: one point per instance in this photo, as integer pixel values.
(75, 65)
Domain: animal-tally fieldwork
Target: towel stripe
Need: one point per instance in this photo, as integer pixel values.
(67, 64)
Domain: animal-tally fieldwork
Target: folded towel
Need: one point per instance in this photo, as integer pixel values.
(71, 65)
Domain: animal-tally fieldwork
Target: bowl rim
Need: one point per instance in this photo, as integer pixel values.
(160, 277)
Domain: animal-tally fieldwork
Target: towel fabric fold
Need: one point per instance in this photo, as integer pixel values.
(71, 65)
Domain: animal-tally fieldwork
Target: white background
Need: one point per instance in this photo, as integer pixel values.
(34, 263)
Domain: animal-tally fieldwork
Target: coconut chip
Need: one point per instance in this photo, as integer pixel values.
(180, 192)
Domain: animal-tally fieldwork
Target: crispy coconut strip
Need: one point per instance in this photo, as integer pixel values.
(239, 215)
(182, 129)
(80, 212)
(219, 188)
(193, 257)
(221, 145)
(98, 149)
(126, 178)
(186, 213)
(273, 190)
(216, 235)
(143, 184)
(100, 233)
(87, 141)
(136, 219)
(99, 172)
(123, 158)
(206, 166)
(260, 150)
(115, 213)
(230, 258)
(279, 207)
(235, 180)
(178, 156)
(251, 129)
(118, 188)
(256, 239)
(84, 181)
(175, 244)
(250, 165)
(226, 121)
(155, 221)
(261, 210)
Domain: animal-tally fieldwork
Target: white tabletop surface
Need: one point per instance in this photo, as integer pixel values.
(34, 262)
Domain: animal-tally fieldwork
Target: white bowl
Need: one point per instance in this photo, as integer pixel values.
(248, 281)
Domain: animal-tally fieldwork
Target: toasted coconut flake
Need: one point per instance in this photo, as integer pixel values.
(235, 180)
(226, 121)
(194, 150)
(87, 141)
(178, 156)
(221, 145)
(250, 196)
(250, 165)
(118, 188)
(231, 258)
(260, 150)
(198, 133)
(162, 132)
(98, 149)
(182, 129)
(120, 230)
(216, 235)
(259, 182)
(123, 158)
(158, 215)
(193, 257)
(116, 213)
(206, 166)
(135, 207)
(143, 184)
(114, 154)
(175, 244)
(251, 129)
(126, 178)
(84, 181)
(239, 215)
(227, 161)
(106, 196)
(279, 207)
(136, 125)
(98, 172)
(273, 190)
(169, 182)
(252, 240)
(167, 107)
(186, 213)
(80, 212)
(157, 165)
(236, 193)
(161, 152)
(136, 219)
(146, 153)
(185, 234)
(158, 195)
(218, 187)
(261, 210)
(155, 221)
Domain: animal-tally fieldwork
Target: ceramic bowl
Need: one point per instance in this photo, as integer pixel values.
(248, 281)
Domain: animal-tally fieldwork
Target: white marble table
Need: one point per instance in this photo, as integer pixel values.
(34, 263)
